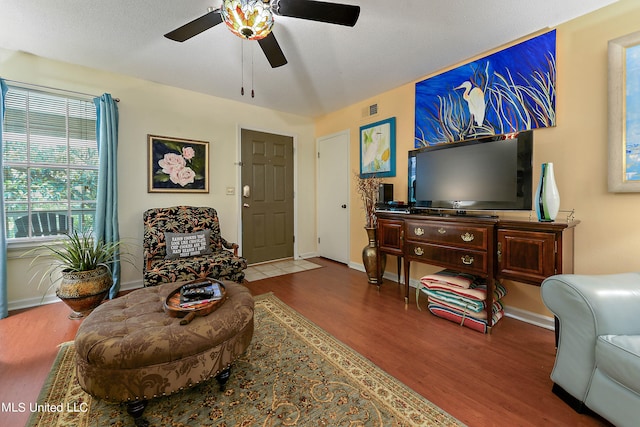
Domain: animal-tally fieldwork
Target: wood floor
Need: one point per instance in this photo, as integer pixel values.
(501, 379)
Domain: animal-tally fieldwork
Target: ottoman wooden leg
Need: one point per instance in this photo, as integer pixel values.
(223, 377)
(135, 409)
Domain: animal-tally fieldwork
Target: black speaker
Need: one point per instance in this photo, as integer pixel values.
(385, 193)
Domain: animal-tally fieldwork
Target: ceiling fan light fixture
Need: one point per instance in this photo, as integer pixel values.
(248, 19)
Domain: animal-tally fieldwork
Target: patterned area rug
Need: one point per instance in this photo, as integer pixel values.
(293, 374)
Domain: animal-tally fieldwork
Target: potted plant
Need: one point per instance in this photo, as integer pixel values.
(82, 267)
(368, 191)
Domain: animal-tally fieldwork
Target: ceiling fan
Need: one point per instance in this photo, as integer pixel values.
(253, 20)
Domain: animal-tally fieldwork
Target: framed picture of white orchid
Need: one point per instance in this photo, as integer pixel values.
(378, 149)
(177, 165)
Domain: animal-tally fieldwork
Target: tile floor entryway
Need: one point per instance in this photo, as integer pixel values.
(277, 268)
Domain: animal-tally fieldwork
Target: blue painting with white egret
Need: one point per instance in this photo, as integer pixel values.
(509, 91)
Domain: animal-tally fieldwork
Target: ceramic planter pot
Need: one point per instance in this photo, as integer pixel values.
(83, 291)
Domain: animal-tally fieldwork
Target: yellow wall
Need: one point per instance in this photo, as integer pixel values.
(150, 108)
(608, 238)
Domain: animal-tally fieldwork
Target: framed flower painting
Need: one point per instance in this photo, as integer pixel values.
(177, 165)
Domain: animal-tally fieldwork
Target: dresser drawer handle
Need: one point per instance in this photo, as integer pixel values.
(418, 231)
(418, 251)
(467, 260)
(467, 237)
(442, 230)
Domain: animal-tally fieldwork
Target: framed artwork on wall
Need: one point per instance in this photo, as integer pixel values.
(508, 91)
(378, 149)
(177, 165)
(624, 114)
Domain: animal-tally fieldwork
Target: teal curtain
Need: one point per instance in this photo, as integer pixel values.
(4, 304)
(106, 220)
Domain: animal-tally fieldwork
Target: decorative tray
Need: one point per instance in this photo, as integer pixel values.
(173, 308)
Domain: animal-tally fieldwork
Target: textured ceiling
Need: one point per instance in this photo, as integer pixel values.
(330, 66)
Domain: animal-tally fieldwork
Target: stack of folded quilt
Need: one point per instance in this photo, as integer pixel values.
(460, 297)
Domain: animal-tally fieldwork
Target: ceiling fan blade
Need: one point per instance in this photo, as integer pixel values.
(195, 27)
(272, 51)
(333, 13)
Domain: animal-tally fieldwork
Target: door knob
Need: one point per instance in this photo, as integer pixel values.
(245, 205)
(344, 206)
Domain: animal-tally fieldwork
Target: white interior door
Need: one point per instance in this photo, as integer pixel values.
(333, 196)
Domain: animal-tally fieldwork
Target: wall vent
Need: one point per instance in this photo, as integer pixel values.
(370, 110)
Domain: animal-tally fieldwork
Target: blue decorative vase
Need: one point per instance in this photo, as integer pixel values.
(547, 197)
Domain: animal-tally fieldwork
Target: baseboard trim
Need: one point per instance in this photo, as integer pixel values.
(536, 319)
(356, 266)
(51, 298)
(513, 312)
(532, 318)
(130, 286)
(32, 302)
(307, 255)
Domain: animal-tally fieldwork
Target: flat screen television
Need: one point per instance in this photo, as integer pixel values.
(486, 174)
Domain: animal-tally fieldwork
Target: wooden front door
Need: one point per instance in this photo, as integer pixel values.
(267, 196)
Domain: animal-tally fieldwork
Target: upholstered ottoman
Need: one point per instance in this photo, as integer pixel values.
(130, 350)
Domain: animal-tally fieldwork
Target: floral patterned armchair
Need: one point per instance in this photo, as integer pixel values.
(165, 260)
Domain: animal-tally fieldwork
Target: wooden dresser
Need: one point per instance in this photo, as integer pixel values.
(493, 248)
